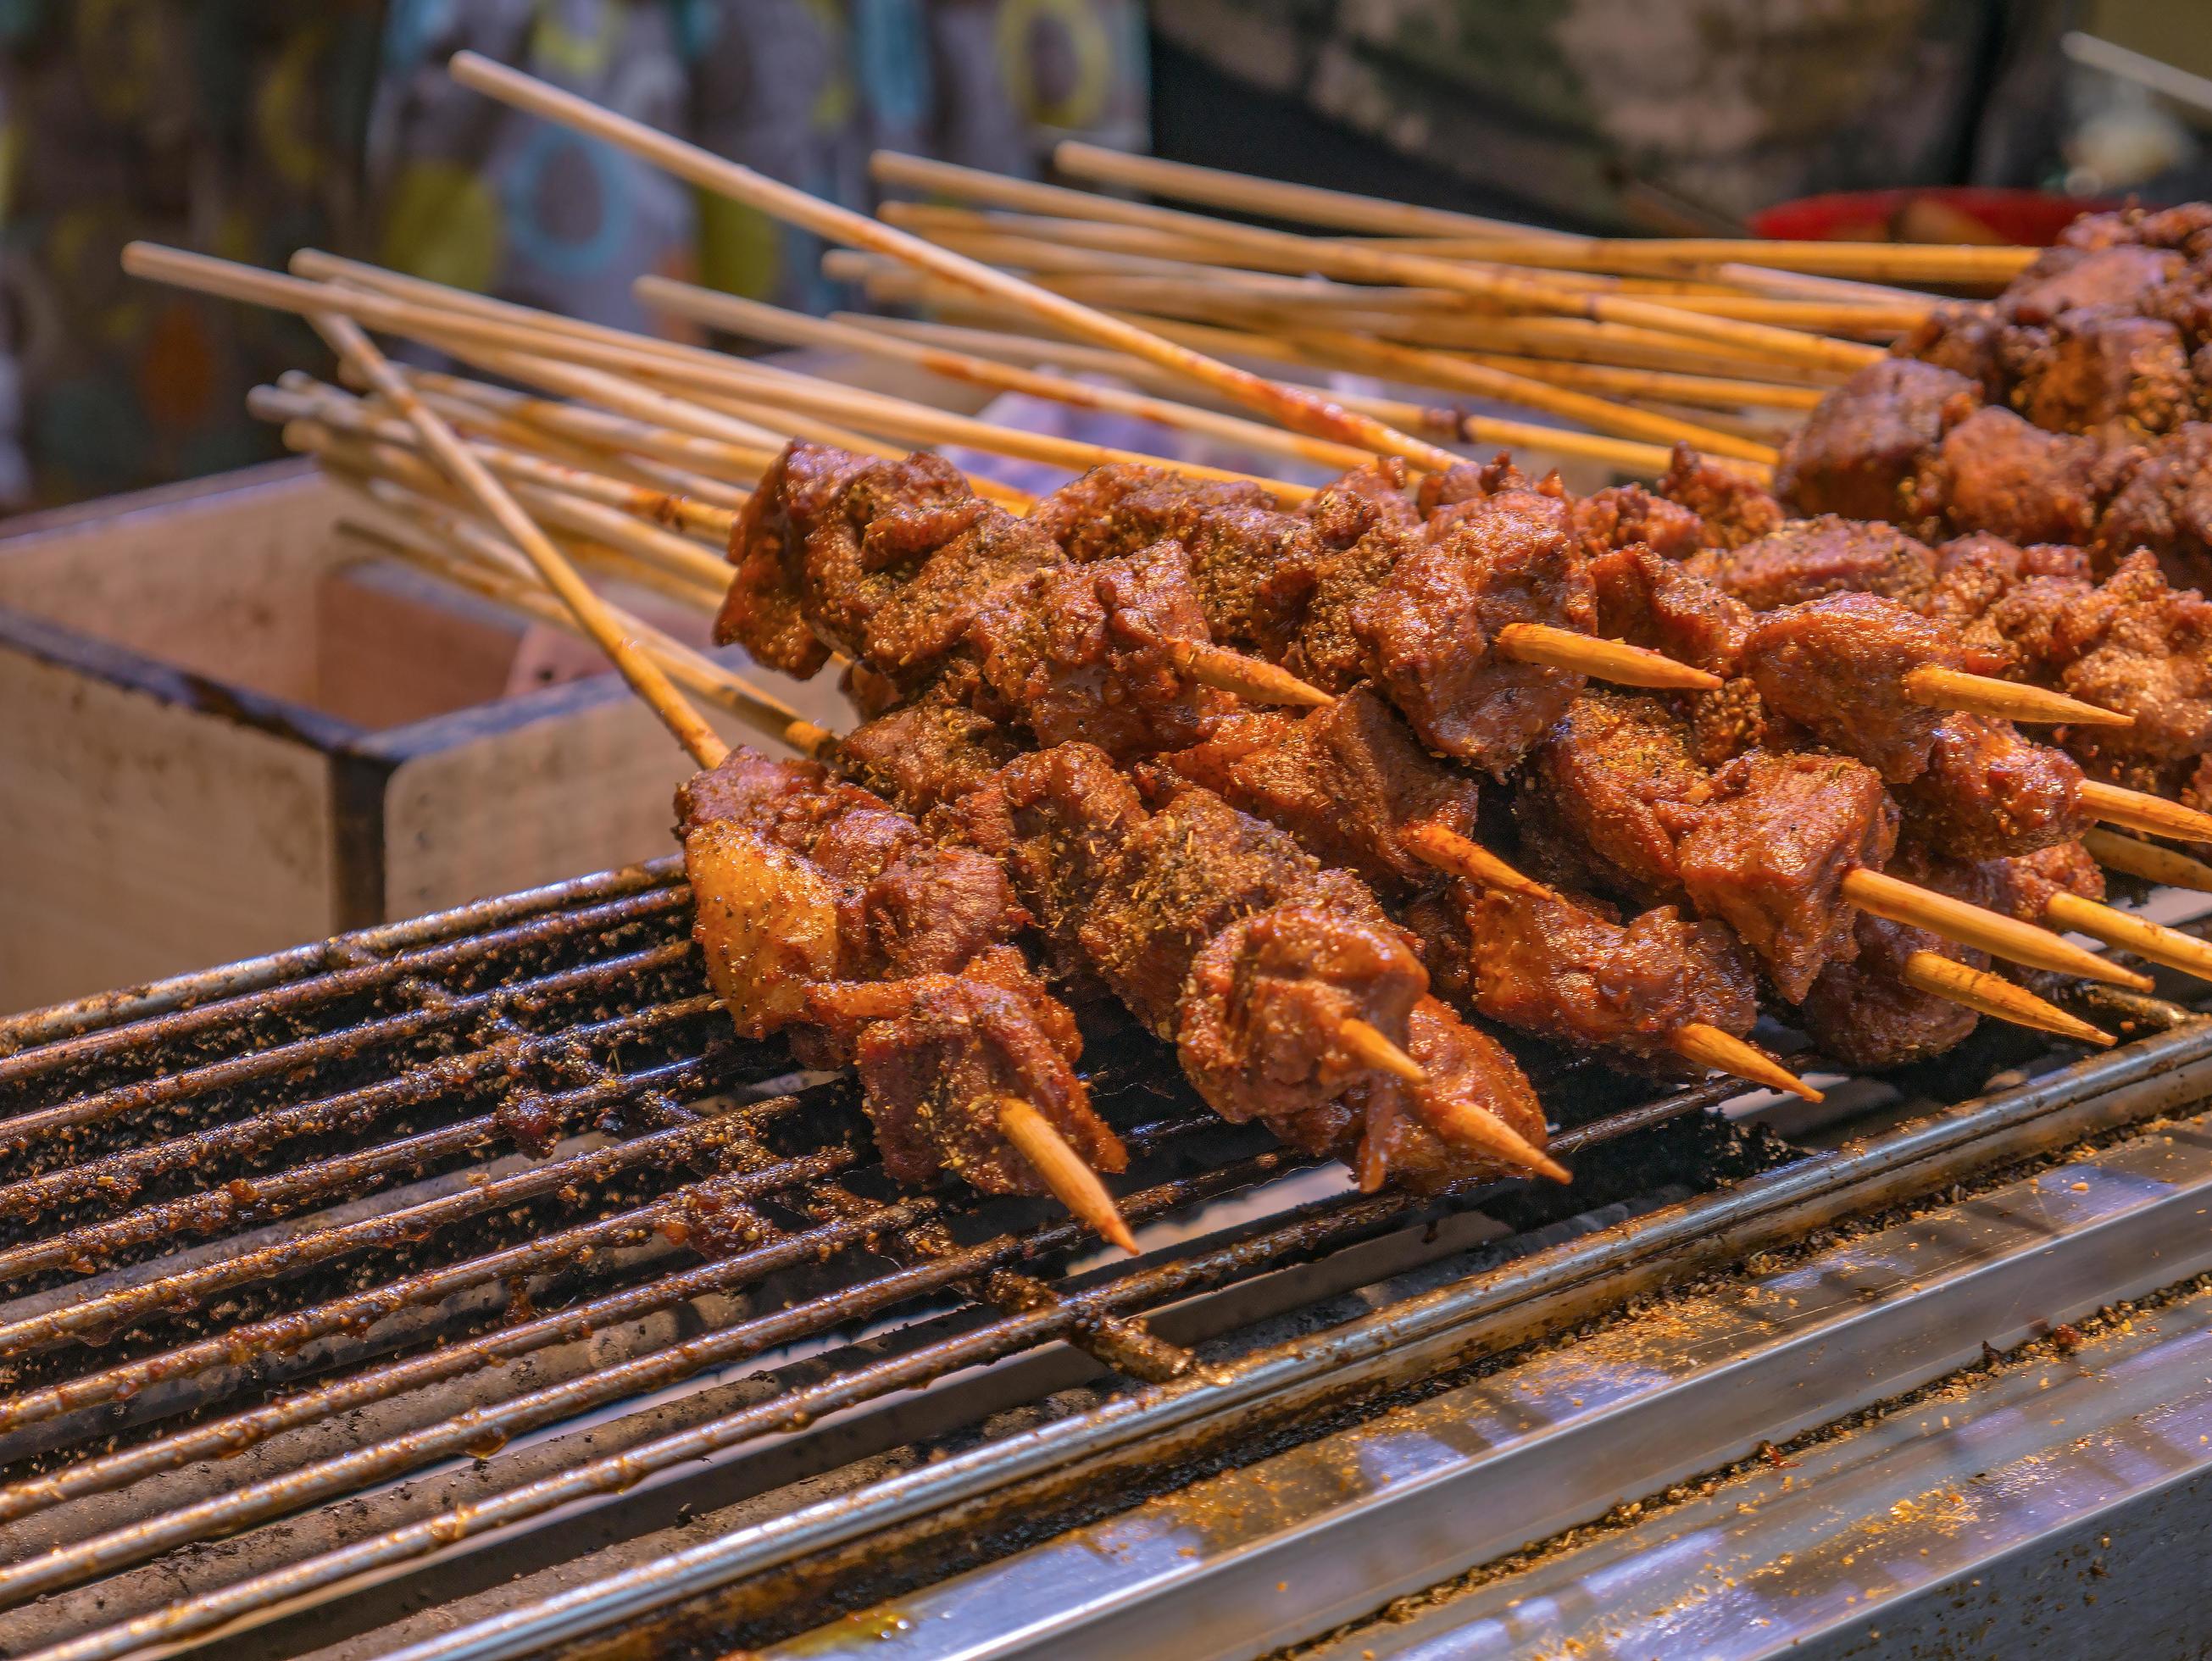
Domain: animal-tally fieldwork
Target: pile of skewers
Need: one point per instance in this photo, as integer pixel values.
(1315, 783)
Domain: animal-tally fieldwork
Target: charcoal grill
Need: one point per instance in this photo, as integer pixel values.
(464, 1287)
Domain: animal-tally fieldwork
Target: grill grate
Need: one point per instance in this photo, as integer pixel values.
(493, 1203)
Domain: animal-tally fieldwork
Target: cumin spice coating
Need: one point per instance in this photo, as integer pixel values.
(916, 979)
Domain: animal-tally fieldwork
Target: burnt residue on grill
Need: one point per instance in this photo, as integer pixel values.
(379, 1222)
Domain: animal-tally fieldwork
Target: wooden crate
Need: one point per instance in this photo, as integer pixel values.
(222, 731)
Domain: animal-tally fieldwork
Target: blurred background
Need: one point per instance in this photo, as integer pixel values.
(252, 127)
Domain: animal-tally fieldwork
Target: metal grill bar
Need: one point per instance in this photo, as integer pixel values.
(454, 1040)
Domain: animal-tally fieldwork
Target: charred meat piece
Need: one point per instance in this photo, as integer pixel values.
(1266, 994)
(1605, 796)
(1989, 793)
(823, 913)
(1564, 972)
(1731, 508)
(1858, 452)
(2132, 643)
(763, 609)
(1763, 844)
(1428, 629)
(1995, 472)
(1347, 781)
(1769, 851)
(926, 753)
(2101, 371)
(1253, 563)
(1089, 651)
(1809, 558)
(1838, 667)
(933, 1076)
(1629, 516)
(1362, 501)
(2166, 506)
(1963, 339)
(1654, 602)
(2124, 278)
(1863, 1013)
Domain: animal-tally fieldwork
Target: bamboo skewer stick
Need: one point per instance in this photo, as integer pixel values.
(1075, 1183)
(1710, 1047)
(1399, 362)
(1346, 211)
(1604, 660)
(518, 348)
(1633, 456)
(695, 576)
(1940, 976)
(347, 414)
(2140, 935)
(2140, 811)
(1368, 263)
(1034, 243)
(770, 323)
(443, 545)
(2148, 860)
(1647, 460)
(1304, 411)
(1966, 265)
(1937, 688)
(2001, 936)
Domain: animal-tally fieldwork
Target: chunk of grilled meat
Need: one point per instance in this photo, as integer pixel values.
(907, 967)
(1614, 800)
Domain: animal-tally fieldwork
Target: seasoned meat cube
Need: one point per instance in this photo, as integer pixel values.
(1397, 1126)
(1347, 508)
(763, 611)
(2088, 371)
(1606, 795)
(1564, 972)
(1862, 1013)
(1543, 508)
(1056, 820)
(1995, 472)
(2166, 506)
(1650, 601)
(1768, 853)
(1347, 780)
(1253, 563)
(1267, 995)
(2064, 279)
(1838, 667)
(928, 612)
(1628, 515)
(1964, 340)
(1973, 572)
(2132, 643)
(1807, 558)
(1857, 451)
(1731, 508)
(934, 1074)
(935, 909)
(1467, 481)
(926, 753)
(1328, 650)
(1089, 651)
(1989, 793)
(1124, 506)
(861, 554)
(1428, 631)
(1174, 882)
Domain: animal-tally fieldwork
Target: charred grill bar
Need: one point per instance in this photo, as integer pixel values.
(372, 1258)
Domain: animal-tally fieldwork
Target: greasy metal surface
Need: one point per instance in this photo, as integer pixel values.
(1415, 1339)
(381, 1253)
(1277, 1551)
(2052, 1506)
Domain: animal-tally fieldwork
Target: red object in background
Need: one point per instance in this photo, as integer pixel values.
(1923, 214)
